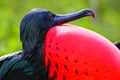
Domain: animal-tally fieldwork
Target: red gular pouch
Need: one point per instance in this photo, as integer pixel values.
(75, 53)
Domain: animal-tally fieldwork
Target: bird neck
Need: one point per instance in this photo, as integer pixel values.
(33, 45)
(34, 54)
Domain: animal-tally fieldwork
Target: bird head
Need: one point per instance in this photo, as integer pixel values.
(37, 22)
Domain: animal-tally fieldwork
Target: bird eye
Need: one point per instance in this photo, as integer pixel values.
(50, 16)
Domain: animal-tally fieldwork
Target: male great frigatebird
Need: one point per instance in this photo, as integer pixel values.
(28, 64)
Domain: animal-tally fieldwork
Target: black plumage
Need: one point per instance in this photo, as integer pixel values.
(28, 64)
(117, 44)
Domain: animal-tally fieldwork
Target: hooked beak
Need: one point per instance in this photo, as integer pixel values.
(60, 19)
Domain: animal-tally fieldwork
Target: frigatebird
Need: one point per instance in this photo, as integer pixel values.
(28, 64)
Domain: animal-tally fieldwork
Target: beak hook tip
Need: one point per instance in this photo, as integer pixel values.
(91, 13)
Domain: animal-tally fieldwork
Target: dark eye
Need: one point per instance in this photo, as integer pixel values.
(49, 16)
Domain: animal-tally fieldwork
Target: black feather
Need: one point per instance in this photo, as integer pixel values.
(117, 44)
(29, 63)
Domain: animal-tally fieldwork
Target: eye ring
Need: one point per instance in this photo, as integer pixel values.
(49, 16)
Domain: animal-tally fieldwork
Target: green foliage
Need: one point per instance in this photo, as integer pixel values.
(11, 13)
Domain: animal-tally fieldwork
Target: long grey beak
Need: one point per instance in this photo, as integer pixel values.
(59, 19)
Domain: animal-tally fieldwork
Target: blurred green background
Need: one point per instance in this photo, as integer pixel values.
(107, 21)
